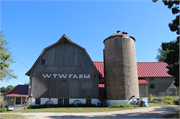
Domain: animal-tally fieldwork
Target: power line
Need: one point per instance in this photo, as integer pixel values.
(20, 62)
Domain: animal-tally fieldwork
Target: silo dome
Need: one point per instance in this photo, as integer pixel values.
(120, 70)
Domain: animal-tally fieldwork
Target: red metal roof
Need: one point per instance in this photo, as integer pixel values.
(19, 91)
(152, 69)
(100, 67)
(16, 95)
(142, 81)
(145, 69)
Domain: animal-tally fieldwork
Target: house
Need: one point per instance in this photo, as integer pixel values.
(14, 99)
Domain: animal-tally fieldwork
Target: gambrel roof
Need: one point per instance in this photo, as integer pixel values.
(64, 38)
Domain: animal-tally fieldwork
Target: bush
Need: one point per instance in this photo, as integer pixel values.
(168, 98)
(169, 101)
(150, 97)
(3, 109)
(120, 105)
(50, 106)
(176, 101)
(86, 105)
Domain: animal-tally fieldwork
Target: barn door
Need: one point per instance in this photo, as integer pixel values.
(63, 89)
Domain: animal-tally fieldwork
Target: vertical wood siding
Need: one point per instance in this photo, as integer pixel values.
(64, 58)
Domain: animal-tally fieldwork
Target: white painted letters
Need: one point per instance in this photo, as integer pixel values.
(75, 76)
(86, 77)
(65, 76)
(62, 76)
(55, 75)
(70, 75)
(48, 76)
(80, 76)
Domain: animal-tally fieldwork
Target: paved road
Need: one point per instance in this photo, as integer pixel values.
(146, 112)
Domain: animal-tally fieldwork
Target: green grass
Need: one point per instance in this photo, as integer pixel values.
(81, 109)
(12, 116)
(158, 104)
(174, 115)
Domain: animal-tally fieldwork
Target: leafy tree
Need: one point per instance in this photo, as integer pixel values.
(26, 84)
(9, 88)
(169, 51)
(3, 89)
(5, 72)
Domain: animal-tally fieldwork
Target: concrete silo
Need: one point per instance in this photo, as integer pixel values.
(120, 68)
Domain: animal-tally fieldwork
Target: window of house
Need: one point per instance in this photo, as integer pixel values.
(88, 101)
(86, 62)
(42, 61)
(18, 100)
(60, 101)
(66, 101)
(37, 100)
(151, 78)
(151, 86)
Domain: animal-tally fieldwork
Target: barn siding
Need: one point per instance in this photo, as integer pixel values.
(64, 58)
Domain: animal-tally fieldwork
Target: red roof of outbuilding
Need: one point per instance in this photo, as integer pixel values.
(144, 69)
(19, 91)
(100, 67)
(142, 81)
(152, 69)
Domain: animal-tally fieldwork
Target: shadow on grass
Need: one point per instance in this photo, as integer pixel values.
(156, 113)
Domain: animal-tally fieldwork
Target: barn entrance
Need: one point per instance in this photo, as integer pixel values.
(63, 89)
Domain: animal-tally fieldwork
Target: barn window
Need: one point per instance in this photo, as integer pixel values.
(66, 101)
(151, 78)
(37, 100)
(60, 101)
(43, 61)
(151, 86)
(88, 101)
(18, 100)
(86, 62)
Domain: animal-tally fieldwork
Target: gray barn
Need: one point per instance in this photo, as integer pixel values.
(65, 73)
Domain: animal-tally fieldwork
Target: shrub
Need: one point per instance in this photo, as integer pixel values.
(50, 106)
(168, 101)
(120, 105)
(150, 97)
(86, 105)
(168, 98)
(4, 109)
(161, 99)
(176, 101)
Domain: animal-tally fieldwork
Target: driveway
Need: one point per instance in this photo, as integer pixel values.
(146, 112)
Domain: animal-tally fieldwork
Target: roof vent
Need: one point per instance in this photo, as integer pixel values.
(124, 32)
(118, 31)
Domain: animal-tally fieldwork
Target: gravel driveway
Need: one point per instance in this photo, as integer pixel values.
(146, 112)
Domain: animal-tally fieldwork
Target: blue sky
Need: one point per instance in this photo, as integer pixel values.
(30, 26)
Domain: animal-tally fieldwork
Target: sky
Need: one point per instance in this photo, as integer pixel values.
(30, 26)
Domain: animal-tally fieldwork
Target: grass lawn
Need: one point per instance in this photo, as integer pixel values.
(11, 116)
(174, 115)
(81, 109)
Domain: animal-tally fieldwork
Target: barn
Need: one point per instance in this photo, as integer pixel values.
(64, 73)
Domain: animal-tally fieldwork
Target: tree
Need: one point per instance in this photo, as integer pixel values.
(169, 52)
(3, 89)
(5, 72)
(10, 88)
(26, 84)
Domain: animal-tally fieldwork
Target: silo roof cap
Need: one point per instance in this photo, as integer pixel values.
(119, 34)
